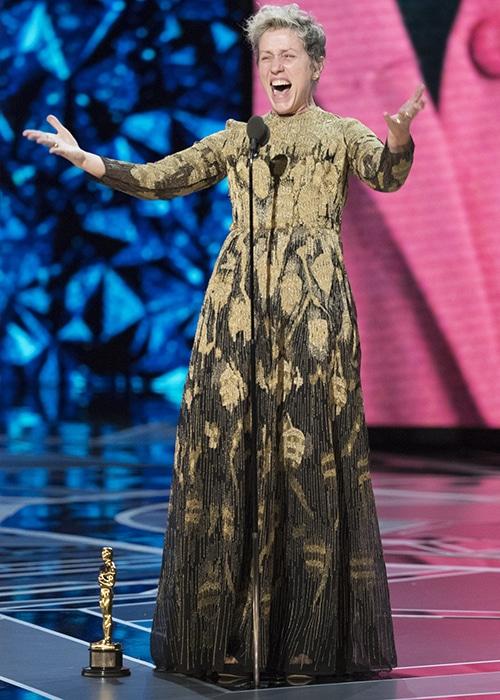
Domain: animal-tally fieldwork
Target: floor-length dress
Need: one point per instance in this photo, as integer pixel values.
(324, 596)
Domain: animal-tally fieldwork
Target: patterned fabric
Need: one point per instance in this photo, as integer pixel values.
(324, 596)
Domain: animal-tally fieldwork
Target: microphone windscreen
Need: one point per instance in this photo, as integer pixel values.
(258, 130)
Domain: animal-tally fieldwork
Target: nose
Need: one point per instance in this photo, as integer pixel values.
(276, 65)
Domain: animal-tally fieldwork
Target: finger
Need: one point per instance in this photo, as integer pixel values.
(388, 119)
(47, 140)
(58, 126)
(417, 108)
(42, 137)
(405, 115)
(419, 92)
(54, 121)
(38, 136)
(34, 133)
(393, 123)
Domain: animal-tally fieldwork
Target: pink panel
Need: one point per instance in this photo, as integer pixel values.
(424, 262)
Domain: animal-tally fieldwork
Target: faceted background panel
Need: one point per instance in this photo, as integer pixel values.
(98, 290)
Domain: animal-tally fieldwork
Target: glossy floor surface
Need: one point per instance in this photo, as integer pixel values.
(71, 486)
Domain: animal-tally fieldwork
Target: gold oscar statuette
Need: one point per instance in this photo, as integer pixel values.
(106, 656)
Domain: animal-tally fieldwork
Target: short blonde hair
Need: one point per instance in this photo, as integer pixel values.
(291, 17)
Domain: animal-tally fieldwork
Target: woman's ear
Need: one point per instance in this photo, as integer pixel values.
(318, 67)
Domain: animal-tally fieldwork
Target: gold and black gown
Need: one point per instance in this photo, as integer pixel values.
(324, 596)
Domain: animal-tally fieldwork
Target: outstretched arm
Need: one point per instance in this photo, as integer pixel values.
(384, 167)
(195, 168)
(186, 171)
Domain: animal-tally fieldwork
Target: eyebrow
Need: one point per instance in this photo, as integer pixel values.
(282, 51)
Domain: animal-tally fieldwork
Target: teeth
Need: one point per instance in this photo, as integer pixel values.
(277, 83)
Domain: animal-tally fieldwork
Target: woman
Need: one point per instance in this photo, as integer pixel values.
(324, 596)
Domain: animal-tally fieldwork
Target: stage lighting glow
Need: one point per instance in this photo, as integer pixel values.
(95, 285)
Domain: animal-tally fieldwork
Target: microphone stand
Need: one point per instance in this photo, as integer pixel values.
(254, 413)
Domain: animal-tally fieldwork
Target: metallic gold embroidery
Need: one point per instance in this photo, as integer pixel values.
(227, 522)
(361, 561)
(228, 576)
(349, 444)
(219, 291)
(204, 345)
(193, 511)
(232, 388)
(318, 336)
(339, 390)
(362, 568)
(188, 397)
(322, 585)
(265, 604)
(293, 443)
(260, 515)
(322, 270)
(261, 178)
(400, 170)
(194, 456)
(362, 462)
(287, 381)
(212, 432)
(346, 328)
(213, 519)
(261, 376)
(299, 492)
(209, 589)
(290, 292)
(365, 476)
(266, 453)
(338, 385)
(298, 532)
(301, 659)
(239, 319)
(328, 466)
(318, 375)
(235, 443)
(315, 548)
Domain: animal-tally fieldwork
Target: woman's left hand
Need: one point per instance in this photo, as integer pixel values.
(399, 123)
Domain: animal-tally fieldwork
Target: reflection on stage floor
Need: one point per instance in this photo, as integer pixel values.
(73, 484)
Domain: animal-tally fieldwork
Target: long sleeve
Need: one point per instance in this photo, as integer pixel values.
(195, 168)
(372, 161)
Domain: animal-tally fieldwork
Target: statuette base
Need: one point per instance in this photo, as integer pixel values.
(106, 661)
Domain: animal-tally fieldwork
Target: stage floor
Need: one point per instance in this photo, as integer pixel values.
(71, 486)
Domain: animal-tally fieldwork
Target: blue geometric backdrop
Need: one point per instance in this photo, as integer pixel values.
(100, 291)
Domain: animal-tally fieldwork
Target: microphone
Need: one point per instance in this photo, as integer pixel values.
(258, 133)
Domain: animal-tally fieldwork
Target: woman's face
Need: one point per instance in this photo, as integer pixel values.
(283, 61)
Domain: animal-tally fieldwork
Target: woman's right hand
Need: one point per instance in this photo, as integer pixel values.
(64, 144)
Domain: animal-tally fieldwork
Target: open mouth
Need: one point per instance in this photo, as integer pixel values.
(280, 87)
